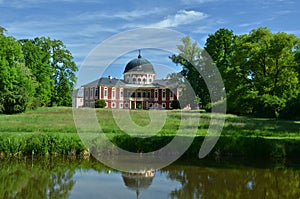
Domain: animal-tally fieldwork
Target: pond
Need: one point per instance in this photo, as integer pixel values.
(63, 177)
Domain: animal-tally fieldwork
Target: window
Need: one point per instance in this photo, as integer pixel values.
(139, 80)
(113, 105)
(150, 80)
(144, 94)
(156, 93)
(134, 79)
(91, 92)
(121, 93)
(163, 105)
(126, 105)
(121, 105)
(128, 94)
(105, 93)
(113, 93)
(97, 92)
(86, 94)
(150, 105)
(171, 94)
(144, 80)
(149, 94)
(164, 93)
(139, 94)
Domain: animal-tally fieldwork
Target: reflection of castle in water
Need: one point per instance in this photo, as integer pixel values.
(138, 181)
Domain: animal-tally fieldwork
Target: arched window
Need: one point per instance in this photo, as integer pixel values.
(113, 93)
(105, 93)
(134, 80)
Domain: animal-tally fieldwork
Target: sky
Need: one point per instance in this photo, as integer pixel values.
(83, 25)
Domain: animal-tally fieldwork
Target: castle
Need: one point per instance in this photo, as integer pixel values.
(139, 89)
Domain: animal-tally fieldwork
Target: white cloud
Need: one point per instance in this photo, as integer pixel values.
(126, 15)
(135, 14)
(182, 17)
(196, 1)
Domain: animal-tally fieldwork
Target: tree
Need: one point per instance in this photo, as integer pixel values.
(268, 62)
(189, 57)
(64, 77)
(221, 47)
(16, 85)
(2, 30)
(38, 60)
(54, 69)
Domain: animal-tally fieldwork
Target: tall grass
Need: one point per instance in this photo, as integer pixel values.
(52, 131)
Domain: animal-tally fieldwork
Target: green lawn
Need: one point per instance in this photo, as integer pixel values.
(60, 120)
(52, 130)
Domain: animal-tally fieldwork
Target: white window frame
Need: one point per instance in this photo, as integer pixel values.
(163, 93)
(113, 93)
(156, 94)
(105, 94)
(121, 93)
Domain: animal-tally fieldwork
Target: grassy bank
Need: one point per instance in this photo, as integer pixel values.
(52, 131)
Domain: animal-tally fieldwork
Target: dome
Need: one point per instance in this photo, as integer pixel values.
(139, 65)
(138, 181)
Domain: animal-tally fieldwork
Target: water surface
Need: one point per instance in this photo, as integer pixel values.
(62, 177)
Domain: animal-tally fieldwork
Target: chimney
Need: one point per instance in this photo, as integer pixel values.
(109, 77)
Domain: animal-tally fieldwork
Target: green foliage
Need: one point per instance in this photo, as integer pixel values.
(193, 71)
(260, 70)
(216, 106)
(2, 30)
(52, 131)
(175, 104)
(100, 104)
(64, 77)
(37, 60)
(16, 84)
(33, 73)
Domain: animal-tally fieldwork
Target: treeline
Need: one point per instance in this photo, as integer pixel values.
(260, 71)
(34, 72)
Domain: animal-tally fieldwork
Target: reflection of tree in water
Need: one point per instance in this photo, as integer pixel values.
(138, 181)
(19, 179)
(209, 183)
(60, 184)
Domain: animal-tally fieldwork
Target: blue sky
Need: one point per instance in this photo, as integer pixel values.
(82, 25)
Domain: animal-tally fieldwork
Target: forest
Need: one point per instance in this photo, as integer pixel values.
(260, 71)
(34, 72)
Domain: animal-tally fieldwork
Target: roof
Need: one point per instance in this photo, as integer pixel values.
(139, 65)
(107, 81)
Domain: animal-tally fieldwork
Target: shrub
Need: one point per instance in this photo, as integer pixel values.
(175, 104)
(100, 104)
